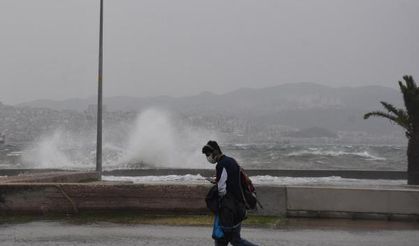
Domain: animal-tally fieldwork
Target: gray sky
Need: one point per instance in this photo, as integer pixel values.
(49, 48)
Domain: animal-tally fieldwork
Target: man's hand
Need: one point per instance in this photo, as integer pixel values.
(211, 180)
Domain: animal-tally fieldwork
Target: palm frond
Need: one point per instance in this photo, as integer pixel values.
(380, 114)
(394, 118)
(410, 82)
(410, 92)
(412, 89)
(402, 87)
(400, 113)
(391, 108)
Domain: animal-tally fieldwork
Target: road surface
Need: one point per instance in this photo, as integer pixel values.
(104, 234)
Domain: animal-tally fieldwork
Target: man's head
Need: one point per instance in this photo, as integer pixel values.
(212, 151)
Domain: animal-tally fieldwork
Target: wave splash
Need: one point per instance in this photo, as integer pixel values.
(156, 139)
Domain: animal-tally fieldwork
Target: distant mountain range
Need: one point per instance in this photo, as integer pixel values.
(281, 97)
(300, 105)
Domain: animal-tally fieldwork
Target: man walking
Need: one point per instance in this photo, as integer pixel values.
(231, 210)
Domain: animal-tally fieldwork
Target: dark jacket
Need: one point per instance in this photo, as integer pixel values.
(232, 212)
(212, 200)
(233, 175)
(231, 206)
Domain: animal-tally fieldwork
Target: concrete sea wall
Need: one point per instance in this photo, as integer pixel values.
(293, 201)
(62, 192)
(71, 198)
(51, 177)
(387, 203)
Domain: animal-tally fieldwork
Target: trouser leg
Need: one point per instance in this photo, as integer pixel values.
(236, 239)
(221, 242)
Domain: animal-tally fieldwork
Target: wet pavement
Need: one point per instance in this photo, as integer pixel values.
(298, 234)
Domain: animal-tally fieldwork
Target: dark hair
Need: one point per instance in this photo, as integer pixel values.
(210, 147)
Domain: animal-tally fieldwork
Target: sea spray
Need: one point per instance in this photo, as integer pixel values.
(62, 149)
(47, 153)
(158, 140)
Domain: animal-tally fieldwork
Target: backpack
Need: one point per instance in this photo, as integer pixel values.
(248, 191)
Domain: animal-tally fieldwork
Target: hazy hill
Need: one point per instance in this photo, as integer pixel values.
(301, 105)
(281, 97)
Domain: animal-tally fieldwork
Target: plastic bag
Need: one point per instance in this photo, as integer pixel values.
(217, 231)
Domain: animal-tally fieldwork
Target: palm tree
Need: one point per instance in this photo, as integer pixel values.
(408, 119)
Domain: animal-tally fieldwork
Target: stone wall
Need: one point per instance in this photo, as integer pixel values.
(174, 198)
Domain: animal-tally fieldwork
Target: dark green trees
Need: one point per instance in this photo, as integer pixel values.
(408, 119)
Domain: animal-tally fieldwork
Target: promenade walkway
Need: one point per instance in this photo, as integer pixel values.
(299, 234)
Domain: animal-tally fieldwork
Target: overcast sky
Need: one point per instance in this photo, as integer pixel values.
(49, 48)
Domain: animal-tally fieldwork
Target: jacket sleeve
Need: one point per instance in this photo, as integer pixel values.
(222, 183)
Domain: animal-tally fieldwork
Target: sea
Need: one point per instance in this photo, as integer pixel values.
(302, 157)
(250, 156)
(280, 156)
(320, 157)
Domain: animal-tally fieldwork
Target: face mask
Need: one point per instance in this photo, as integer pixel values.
(211, 159)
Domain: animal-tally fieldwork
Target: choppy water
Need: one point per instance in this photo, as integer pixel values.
(339, 157)
(251, 156)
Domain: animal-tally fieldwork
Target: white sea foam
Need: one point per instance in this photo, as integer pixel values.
(155, 139)
(241, 145)
(262, 179)
(315, 151)
(188, 178)
(332, 180)
(48, 153)
(158, 140)
(8, 165)
(368, 156)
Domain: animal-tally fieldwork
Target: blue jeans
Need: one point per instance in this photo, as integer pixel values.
(233, 236)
